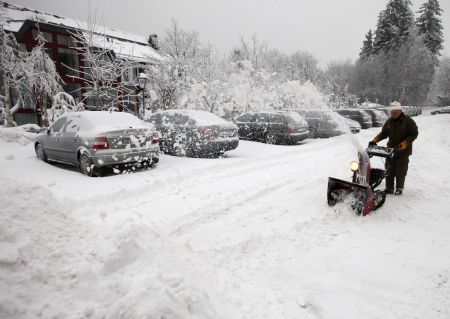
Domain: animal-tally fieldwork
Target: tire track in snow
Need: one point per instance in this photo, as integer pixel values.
(163, 188)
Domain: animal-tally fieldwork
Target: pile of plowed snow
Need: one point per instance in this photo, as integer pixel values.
(52, 266)
(24, 134)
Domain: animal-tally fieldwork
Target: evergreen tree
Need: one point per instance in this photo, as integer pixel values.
(394, 25)
(383, 34)
(367, 49)
(430, 27)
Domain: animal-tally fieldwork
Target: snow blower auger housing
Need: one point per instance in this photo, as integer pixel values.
(361, 191)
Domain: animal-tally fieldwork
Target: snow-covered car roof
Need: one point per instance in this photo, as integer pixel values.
(123, 44)
(104, 120)
(200, 117)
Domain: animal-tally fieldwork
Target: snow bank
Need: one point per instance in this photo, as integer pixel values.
(53, 266)
(24, 134)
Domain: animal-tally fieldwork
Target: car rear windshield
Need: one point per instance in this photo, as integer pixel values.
(95, 119)
(206, 118)
(365, 115)
(295, 118)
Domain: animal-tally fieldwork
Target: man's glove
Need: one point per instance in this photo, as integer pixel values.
(372, 143)
(403, 145)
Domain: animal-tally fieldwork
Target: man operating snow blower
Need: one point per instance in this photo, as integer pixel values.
(401, 131)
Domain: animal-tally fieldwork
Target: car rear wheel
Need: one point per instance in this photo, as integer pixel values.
(271, 138)
(87, 167)
(40, 153)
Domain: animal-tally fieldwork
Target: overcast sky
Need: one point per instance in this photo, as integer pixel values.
(329, 29)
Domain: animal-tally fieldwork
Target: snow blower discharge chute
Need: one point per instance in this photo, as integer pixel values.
(360, 192)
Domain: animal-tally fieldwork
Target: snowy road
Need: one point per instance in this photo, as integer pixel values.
(246, 236)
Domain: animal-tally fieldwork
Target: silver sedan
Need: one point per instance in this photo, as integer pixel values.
(93, 140)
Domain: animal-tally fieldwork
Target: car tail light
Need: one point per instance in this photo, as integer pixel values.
(206, 132)
(291, 129)
(155, 139)
(100, 143)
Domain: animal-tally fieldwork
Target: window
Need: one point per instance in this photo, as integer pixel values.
(101, 99)
(58, 125)
(73, 125)
(49, 52)
(131, 75)
(262, 117)
(179, 119)
(69, 61)
(276, 118)
(47, 36)
(73, 89)
(65, 40)
(129, 100)
(156, 119)
(22, 47)
(25, 94)
(245, 118)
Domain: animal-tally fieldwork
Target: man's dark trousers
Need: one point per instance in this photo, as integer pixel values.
(396, 169)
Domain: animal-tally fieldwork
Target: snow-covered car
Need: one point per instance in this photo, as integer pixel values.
(97, 139)
(321, 122)
(352, 124)
(378, 117)
(194, 133)
(360, 116)
(386, 110)
(273, 127)
(441, 110)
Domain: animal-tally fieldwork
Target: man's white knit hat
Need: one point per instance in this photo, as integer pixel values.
(396, 106)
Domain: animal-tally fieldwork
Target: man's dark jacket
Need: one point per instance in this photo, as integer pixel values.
(398, 130)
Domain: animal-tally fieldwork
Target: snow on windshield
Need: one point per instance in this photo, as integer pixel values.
(206, 118)
(100, 119)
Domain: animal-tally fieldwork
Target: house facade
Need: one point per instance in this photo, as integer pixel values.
(58, 33)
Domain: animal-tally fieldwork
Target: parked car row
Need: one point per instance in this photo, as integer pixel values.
(94, 140)
(441, 110)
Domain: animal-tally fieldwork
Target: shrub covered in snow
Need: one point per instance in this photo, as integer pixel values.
(62, 104)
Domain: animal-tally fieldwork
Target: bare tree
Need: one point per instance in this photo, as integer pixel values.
(302, 66)
(254, 50)
(41, 77)
(338, 76)
(11, 74)
(101, 69)
(173, 76)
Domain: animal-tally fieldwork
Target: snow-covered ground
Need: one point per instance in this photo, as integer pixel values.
(246, 236)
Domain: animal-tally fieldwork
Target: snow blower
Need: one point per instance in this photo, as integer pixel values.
(360, 192)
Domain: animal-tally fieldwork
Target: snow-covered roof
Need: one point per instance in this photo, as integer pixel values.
(122, 43)
(201, 117)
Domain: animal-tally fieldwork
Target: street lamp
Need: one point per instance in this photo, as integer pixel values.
(142, 80)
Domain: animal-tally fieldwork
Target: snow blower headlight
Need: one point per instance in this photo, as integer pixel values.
(354, 166)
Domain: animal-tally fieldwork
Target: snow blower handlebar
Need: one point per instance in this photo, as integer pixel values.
(380, 151)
